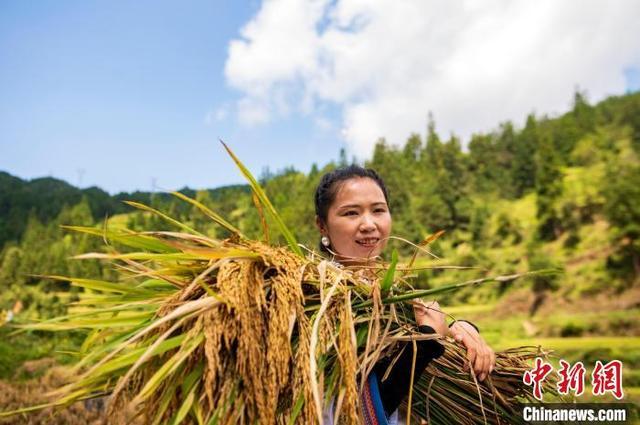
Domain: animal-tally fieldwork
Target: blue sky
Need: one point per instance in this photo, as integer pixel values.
(122, 94)
(116, 93)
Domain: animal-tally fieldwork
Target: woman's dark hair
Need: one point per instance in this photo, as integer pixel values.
(331, 182)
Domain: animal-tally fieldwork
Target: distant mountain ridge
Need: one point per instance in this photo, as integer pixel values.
(46, 196)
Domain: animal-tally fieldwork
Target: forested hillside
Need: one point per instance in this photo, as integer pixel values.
(560, 192)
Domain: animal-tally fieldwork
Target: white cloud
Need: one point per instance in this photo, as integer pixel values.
(252, 111)
(387, 64)
(322, 123)
(217, 115)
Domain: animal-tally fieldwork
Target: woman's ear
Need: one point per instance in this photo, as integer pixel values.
(321, 227)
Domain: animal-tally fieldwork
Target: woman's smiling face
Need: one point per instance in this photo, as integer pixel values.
(358, 221)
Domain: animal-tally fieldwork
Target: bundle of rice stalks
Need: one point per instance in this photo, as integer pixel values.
(209, 331)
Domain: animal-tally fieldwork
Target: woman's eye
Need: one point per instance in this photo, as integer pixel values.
(350, 213)
(380, 210)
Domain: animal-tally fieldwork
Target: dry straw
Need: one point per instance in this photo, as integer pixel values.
(231, 331)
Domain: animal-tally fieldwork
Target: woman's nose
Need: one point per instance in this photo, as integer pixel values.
(367, 224)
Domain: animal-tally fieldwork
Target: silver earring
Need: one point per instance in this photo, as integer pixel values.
(325, 241)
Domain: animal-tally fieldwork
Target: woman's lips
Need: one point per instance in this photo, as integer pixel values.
(368, 242)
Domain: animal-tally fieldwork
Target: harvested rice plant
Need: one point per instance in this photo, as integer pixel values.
(204, 307)
(203, 330)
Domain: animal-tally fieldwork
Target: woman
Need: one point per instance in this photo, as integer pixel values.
(354, 220)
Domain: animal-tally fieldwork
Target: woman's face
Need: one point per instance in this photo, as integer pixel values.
(358, 222)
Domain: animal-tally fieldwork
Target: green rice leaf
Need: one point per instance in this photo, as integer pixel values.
(99, 285)
(387, 281)
(139, 256)
(131, 239)
(297, 408)
(186, 406)
(168, 368)
(163, 216)
(212, 215)
(166, 397)
(130, 357)
(262, 196)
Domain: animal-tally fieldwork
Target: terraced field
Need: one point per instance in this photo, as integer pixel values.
(521, 330)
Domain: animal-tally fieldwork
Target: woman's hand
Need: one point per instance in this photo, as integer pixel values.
(479, 354)
(429, 314)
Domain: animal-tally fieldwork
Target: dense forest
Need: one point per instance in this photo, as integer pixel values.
(561, 192)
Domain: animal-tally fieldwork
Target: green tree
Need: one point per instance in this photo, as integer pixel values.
(432, 210)
(548, 188)
(622, 209)
(483, 165)
(398, 171)
(10, 278)
(452, 180)
(583, 114)
(523, 172)
(412, 149)
(506, 148)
